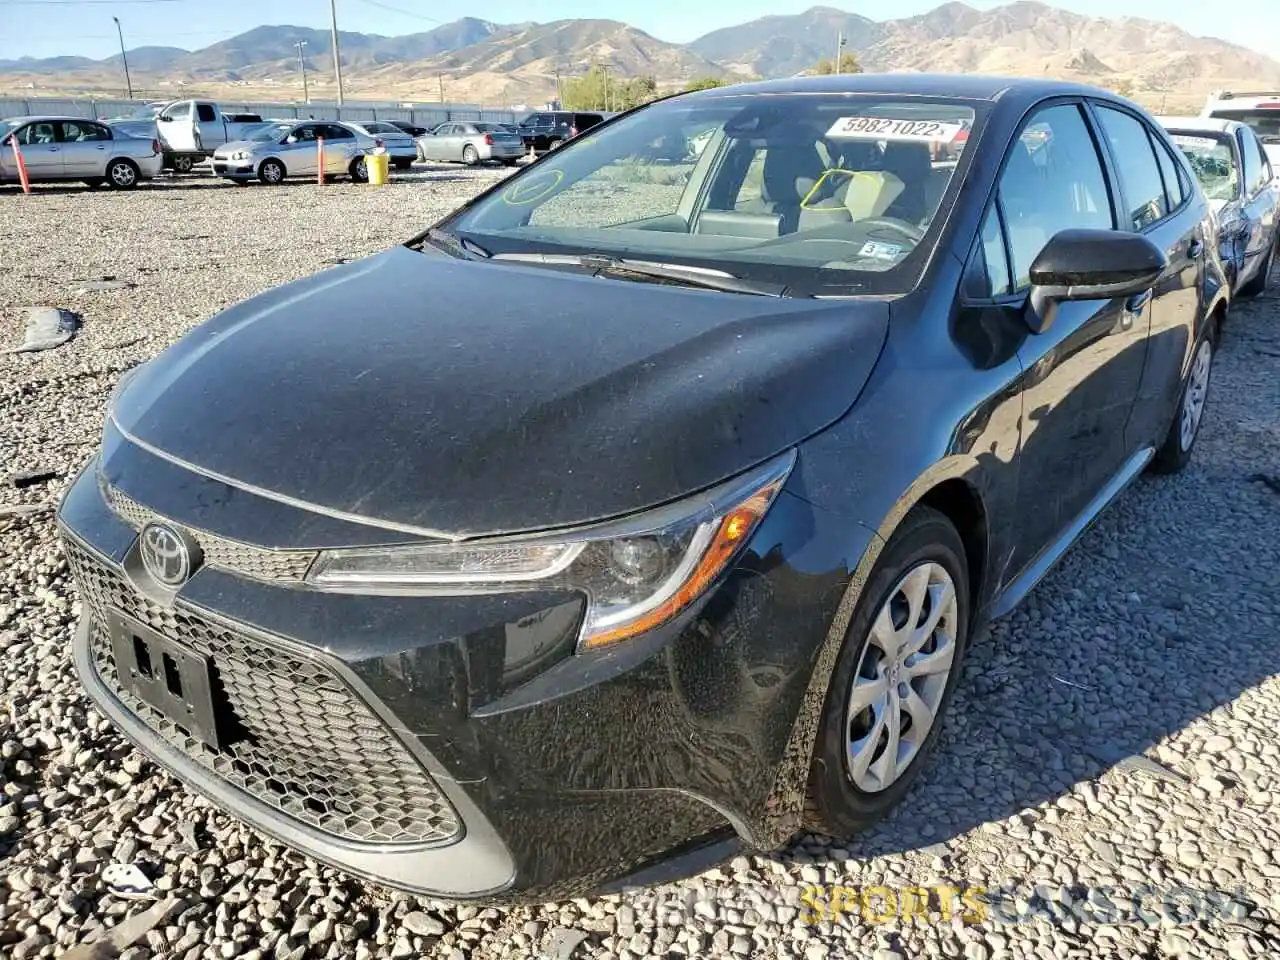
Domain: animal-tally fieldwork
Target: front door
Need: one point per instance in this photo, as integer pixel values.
(211, 132)
(84, 148)
(301, 157)
(41, 152)
(1258, 199)
(1081, 375)
(177, 127)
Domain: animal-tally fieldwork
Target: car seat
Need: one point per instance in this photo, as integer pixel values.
(910, 163)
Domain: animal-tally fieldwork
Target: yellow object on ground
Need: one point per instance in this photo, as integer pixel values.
(379, 167)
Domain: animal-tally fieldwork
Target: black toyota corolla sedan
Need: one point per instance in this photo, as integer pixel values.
(778, 393)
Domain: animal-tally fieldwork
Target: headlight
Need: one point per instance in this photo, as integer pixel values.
(240, 155)
(637, 573)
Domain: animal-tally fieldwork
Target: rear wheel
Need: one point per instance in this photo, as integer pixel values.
(1175, 453)
(894, 677)
(359, 170)
(1262, 279)
(183, 164)
(469, 155)
(271, 172)
(122, 174)
(553, 144)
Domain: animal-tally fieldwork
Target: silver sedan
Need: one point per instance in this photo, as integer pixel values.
(472, 143)
(286, 150)
(399, 145)
(72, 148)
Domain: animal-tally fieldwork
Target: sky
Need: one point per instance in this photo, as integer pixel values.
(44, 28)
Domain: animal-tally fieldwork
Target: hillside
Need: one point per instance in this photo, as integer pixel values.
(478, 61)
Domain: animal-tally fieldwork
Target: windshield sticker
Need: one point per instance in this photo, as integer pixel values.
(533, 188)
(876, 250)
(886, 128)
(1195, 143)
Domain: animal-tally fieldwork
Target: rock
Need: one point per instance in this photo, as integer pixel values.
(422, 924)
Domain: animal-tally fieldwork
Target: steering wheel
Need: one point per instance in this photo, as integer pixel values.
(909, 230)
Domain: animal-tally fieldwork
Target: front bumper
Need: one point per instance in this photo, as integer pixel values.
(234, 169)
(564, 773)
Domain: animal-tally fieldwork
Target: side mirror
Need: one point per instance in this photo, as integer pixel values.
(164, 118)
(1090, 265)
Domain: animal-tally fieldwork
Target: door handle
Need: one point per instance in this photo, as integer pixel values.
(1195, 249)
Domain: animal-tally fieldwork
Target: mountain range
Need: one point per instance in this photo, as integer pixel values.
(477, 61)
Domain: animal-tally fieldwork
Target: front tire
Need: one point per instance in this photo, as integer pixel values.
(272, 172)
(469, 155)
(1175, 453)
(122, 174)
(894, 677)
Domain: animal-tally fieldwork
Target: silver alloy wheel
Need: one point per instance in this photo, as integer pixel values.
(183, 164)
(123, 174)
(272, 172)
(1194, 398)
(469, 155)
(898, 686)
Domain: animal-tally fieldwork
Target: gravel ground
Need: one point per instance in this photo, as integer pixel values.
(1113, 741)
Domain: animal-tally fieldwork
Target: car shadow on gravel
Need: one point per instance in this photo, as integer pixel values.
(1161, 614)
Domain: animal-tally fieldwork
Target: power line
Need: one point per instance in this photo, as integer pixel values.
(403, 13)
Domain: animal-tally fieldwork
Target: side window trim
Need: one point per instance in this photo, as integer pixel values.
(1160, 146)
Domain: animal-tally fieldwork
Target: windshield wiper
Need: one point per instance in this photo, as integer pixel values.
(458, 246)
(653, 272)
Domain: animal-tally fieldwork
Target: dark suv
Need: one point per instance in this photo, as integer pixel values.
(550, 128)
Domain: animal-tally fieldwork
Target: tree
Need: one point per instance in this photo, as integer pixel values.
(704, 83)
(848, 64)
(599, 89)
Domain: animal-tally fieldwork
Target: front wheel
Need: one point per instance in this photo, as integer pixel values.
(122, 174)
(271, 172)
(1175, 453)
(894, 677)
(469, 155)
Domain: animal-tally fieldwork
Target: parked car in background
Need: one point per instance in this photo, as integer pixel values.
(471, 142)
(190, 130)
(73, 148)
(412, 129)
(547, 129)
(516, 603)
(289, 150)
(1260, 110)
(399, 145)
(1238, 180)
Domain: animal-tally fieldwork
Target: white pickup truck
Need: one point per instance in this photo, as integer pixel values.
(190, 130)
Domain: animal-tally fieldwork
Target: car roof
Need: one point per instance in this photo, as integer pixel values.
(959, 86)
(49, 119)
(1201, 124)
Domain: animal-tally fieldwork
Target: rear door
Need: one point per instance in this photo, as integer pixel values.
(85, 148)
(340, 148)
(41, 151)
(1163, 207)
(177, 127)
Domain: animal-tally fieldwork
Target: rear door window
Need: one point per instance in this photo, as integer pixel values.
(1254, 146)
(178, 111)
(332, 131)
(1252, 169)
(1137, 167)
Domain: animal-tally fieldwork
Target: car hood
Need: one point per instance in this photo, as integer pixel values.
(463, 398)
(233, 145)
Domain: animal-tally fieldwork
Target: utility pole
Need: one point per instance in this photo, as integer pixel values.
(839, 51)
(302, 62)
(559, 91)
(337, 57)
(606, 87)
(123, 59)
(440, 83)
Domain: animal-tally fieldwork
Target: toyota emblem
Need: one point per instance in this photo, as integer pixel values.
(166, 554)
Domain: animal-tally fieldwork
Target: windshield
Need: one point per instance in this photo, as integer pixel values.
(274, 131)
(810, 191)
(1265, 123)
(1210, 157)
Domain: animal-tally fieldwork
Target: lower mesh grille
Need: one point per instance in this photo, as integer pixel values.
(293, 735)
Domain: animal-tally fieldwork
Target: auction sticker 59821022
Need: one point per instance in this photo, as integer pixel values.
(888, 128)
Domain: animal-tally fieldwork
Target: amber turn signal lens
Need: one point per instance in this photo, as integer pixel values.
(731, 533)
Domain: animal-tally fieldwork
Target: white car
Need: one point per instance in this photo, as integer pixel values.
(287, 150)
(1259, 109)
(73, 148)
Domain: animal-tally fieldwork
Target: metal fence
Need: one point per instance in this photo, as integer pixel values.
(108, 109)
